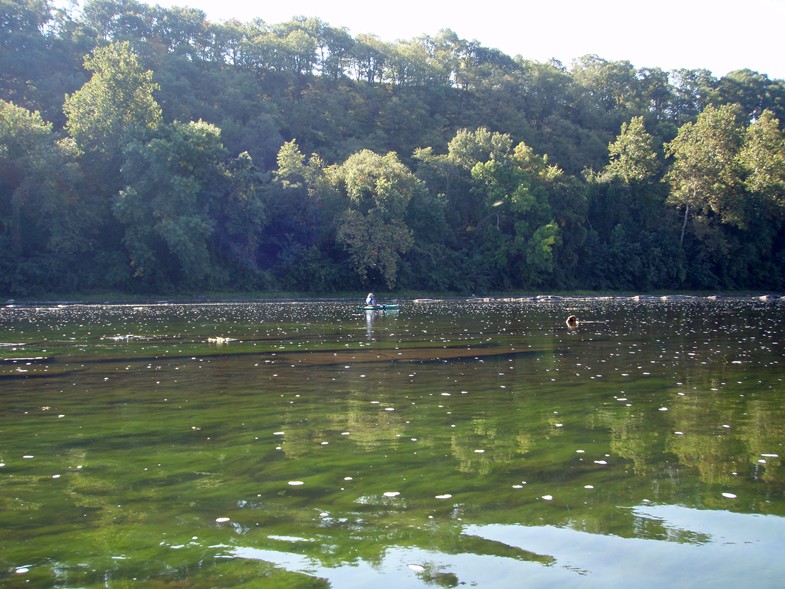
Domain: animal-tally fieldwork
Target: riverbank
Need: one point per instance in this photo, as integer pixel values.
(117, 298)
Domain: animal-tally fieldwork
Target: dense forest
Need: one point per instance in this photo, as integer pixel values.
(146, 149)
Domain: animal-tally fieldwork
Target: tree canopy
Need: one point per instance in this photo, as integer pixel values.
(148, 149)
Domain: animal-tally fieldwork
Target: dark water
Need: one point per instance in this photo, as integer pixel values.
(459, 443)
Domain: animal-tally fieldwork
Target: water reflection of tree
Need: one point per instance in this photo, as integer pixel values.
(722, 440)
(765, 431)
(726, 440)
(484, 443)
(632, 438)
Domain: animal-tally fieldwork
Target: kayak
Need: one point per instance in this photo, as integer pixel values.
(377, 307)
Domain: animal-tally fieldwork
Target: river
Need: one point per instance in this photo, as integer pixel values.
(482, 443)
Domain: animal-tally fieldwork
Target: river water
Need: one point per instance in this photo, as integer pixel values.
(481, 443)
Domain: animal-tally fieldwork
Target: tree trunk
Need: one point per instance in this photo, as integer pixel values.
(16, 230)
(684, 225)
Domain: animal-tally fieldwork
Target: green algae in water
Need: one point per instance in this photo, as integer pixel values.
(449, 443)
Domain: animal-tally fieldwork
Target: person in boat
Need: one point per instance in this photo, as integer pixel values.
(370, 300)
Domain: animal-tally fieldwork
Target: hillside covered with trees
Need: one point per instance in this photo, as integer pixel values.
(147, 150)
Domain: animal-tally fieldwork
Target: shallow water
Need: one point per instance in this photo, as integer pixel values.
(477, 443)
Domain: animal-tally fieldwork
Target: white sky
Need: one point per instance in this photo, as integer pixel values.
(718, 35)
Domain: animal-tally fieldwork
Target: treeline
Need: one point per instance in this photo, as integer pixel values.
(146, 149)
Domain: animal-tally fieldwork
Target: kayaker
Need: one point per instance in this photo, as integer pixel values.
(370, 300)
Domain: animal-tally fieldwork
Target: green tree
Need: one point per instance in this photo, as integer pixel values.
(300, 243)
(753, 92)
(116, 101)
(614, 85)
(116, 20)
(496, 198)
(763, 161)
(693, 90)
(241, 216)
(294, 172)
(182, 31)
(569, 203)
(335, 50)
(549, 91)
(632, 155)
(46, 222)
(373, 229)
(468, 148)
(370, 58)
(465, 150)
(112, 109)
(23, 48)
(704, 175)
(176, 184)
(656, 92)
(521, 225)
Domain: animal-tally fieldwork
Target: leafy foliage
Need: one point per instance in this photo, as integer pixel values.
(176, 161)
(46, 222)
(115, 102)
